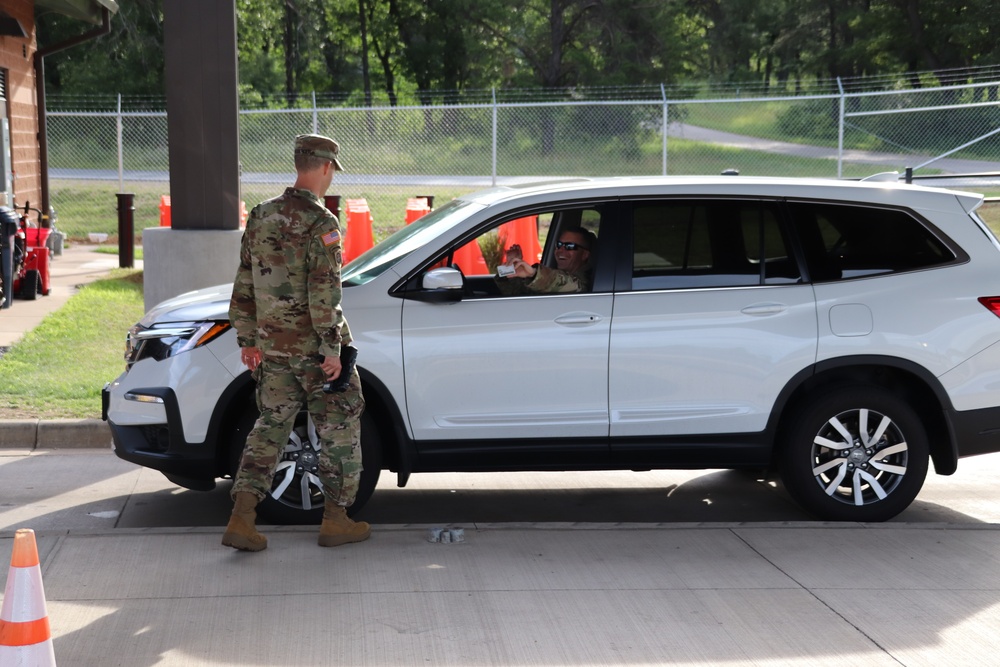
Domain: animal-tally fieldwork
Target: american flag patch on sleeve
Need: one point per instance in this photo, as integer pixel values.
(331, 237)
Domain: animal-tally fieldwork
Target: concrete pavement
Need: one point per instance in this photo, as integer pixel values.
(618, 591)
(754, 594)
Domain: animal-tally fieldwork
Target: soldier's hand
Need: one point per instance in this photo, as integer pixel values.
(514, 252)
(331, 367)
(522, 269)
(250, 356)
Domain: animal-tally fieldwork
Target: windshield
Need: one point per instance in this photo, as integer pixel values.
(386, 254)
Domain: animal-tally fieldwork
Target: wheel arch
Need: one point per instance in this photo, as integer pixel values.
(915, 384)
(397, 450)
(228, 409)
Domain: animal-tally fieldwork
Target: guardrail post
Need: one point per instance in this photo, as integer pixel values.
(126, 230)
(666, 124)
(840, 129)
(493, 139)
(121, 145)
(315, 111)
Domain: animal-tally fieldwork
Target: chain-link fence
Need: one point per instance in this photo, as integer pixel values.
(444, 150)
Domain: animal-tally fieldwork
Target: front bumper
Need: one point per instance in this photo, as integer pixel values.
(161, 446)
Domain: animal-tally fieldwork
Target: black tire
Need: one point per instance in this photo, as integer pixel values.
(31, 285)
(839, 480)
(301, 498)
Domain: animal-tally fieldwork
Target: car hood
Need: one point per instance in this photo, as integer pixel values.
(209, 303)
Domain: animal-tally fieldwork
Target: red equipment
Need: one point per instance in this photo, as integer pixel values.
(31, 273)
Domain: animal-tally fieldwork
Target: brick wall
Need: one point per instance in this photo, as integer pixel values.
(17, 57)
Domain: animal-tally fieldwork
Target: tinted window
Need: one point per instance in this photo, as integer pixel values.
(709, 244)
(843, 241)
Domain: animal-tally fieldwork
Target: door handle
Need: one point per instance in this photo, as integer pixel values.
(578, 319)
(764, 309)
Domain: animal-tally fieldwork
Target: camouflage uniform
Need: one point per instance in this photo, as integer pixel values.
(548, 280)
(286, 302)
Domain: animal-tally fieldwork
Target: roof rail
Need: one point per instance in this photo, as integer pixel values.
(892, 176)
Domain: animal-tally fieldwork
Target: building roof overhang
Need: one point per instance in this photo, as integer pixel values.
(90, 11)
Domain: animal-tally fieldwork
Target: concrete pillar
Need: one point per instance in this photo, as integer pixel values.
(201, 248)
(186, 260)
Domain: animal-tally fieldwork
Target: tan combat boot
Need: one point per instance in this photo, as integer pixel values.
(241, 533)
(338, 528)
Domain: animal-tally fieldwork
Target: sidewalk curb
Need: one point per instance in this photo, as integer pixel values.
(54, 434)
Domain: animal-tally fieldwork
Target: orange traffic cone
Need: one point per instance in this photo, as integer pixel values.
(416, 208)
(358, 237)
(469, 258)
(25, 637)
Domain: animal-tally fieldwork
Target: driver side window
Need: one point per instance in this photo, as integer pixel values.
(533, 239)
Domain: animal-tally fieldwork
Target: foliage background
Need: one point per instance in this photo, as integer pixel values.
(359, 49)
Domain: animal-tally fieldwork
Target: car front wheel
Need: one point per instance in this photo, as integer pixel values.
(296, 495)
(855, 454)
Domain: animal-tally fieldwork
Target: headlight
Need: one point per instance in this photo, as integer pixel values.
(167, 340)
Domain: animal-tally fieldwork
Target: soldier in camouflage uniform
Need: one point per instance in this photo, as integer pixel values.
(572, 272)
(290, 327)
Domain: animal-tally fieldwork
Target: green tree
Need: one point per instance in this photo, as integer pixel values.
(129, 60)
(291, 47)
(260, 46)
(545, 37)
(445, 45)
(637, 42)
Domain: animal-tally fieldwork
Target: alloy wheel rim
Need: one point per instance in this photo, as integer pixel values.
(859, 457)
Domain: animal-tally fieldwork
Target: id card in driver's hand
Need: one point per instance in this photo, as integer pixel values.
(504, 270)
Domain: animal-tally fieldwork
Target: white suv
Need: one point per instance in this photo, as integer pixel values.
(843, 333)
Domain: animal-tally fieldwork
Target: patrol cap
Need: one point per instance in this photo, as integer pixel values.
(319, 146)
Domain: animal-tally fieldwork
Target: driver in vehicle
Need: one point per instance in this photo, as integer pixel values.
(572, 272)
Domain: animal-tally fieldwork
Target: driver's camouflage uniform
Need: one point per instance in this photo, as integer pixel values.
(286, 302)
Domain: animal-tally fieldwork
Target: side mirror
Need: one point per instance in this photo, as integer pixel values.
(444, 285)
(443, 278)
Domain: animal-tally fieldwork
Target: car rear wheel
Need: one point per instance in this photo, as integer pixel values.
(855, 454)
(296, 495)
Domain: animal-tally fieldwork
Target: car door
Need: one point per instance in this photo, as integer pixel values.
(712, 320)
(508, 367)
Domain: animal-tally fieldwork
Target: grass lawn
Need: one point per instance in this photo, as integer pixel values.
(113, 250)
(91, 206)
(58, 369)
(990, 213)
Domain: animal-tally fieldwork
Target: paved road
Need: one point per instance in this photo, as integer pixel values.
(890, 161)
(691, 569)
(68, 489)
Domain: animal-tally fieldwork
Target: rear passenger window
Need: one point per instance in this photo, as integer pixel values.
(843, 241)
(679, 244)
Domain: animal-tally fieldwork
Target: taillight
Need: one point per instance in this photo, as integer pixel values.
(992, 304)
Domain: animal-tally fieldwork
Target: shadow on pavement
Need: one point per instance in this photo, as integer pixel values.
(725, 496)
